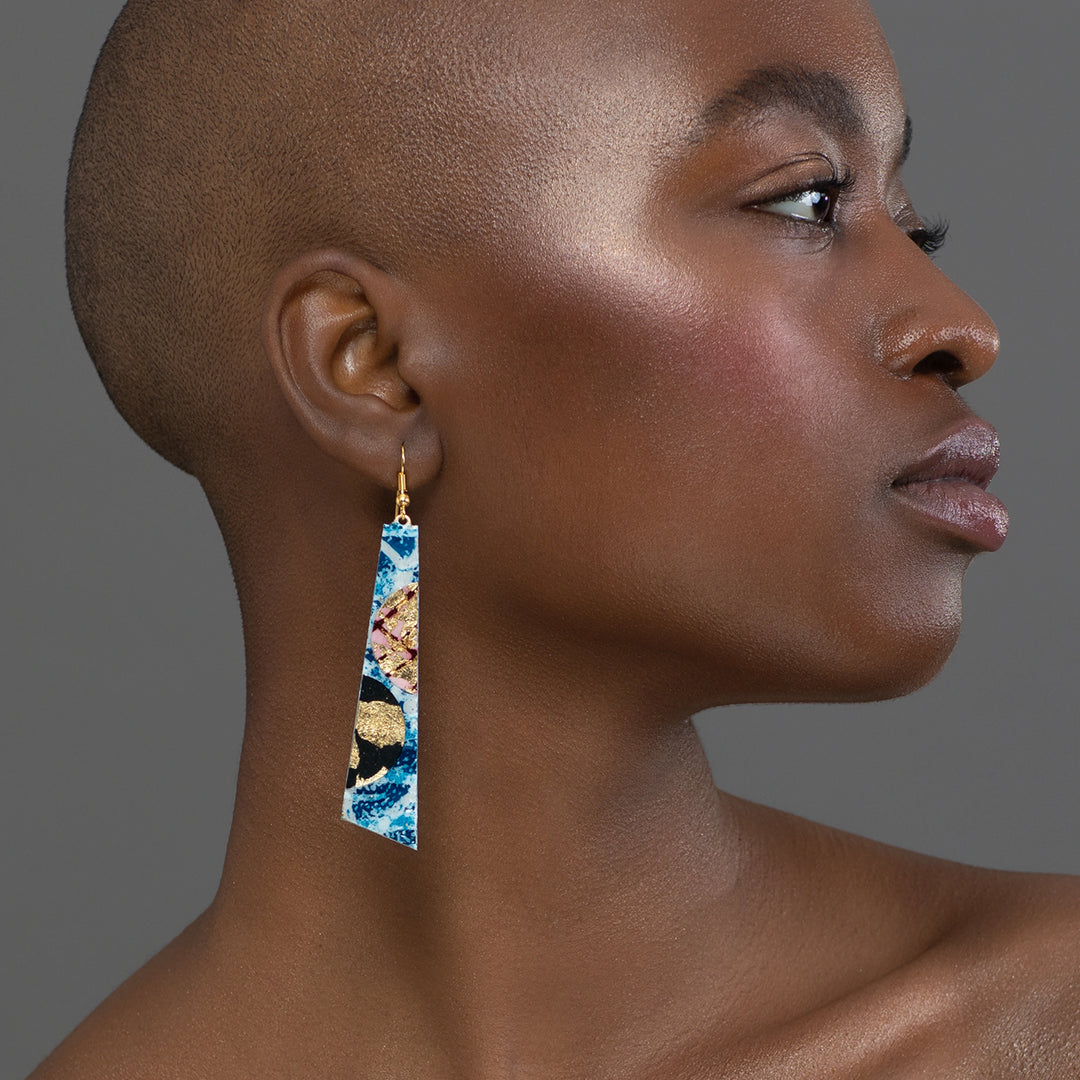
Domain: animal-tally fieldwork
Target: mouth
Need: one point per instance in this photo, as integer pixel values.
(947, 486)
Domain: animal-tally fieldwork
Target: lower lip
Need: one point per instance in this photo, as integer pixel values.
(961, 508)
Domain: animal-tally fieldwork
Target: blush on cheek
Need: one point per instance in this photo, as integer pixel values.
(765, 394)
(671, 456)
(787, 533)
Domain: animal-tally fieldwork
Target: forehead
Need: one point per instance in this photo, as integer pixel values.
(595, 102)
(671, 54)
(577, 100)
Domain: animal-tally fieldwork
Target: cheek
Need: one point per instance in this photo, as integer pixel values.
(812, 572)
(668, 458)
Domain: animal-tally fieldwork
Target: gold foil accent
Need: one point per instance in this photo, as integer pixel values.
(379, 723)
(397, 621)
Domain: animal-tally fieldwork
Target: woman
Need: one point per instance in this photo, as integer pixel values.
(645, 302)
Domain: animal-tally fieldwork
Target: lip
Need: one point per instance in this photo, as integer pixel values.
(947, 486)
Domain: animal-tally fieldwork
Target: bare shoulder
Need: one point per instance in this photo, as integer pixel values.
(925, 893)
(149, 1027)
(1000, 982)
(1022, 951)
(995, 998)
(952, 971)
(999, 995)
(1033, 910)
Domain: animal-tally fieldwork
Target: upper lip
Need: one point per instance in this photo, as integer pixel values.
(971, 452)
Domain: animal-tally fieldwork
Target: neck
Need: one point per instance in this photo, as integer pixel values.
(571, 846)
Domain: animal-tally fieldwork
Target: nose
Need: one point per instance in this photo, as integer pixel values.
(933, 327)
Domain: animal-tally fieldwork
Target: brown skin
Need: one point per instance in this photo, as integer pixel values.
(651, 431)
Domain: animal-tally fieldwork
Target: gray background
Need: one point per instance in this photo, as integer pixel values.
(123, 667)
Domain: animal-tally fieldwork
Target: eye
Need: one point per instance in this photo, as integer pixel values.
(814, 205)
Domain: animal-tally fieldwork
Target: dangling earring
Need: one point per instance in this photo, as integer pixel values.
(380, 787)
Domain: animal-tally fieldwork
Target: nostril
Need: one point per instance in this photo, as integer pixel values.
(945, 365)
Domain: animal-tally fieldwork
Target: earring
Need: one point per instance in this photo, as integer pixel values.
(380, 787)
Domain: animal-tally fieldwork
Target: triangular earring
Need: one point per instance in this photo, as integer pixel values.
(380, 787)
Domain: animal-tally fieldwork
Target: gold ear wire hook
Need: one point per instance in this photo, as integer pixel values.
(402, 503)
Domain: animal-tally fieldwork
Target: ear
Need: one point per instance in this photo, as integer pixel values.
(333, 332)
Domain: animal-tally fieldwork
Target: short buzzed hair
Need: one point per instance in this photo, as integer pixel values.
(218, 139)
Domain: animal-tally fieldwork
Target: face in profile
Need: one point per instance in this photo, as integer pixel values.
(663, 302)
(713, 370)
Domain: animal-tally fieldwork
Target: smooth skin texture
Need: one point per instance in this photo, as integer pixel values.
(652, 424)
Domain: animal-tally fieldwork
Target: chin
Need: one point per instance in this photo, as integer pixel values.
(872, 661)
(900, 667)
(875, 645)
(900, 640)
(894, 665)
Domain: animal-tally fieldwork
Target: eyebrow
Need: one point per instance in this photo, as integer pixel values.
(821, 95)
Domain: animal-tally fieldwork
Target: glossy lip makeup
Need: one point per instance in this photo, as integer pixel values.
(947, 486)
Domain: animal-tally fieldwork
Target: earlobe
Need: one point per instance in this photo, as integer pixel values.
(332, 332)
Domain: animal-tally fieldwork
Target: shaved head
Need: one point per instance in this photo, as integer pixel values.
(590, 255)
(221, 137)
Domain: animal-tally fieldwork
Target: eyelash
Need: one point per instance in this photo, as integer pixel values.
(929, 238)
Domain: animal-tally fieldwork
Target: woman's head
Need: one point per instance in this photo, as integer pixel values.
(636, 286)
